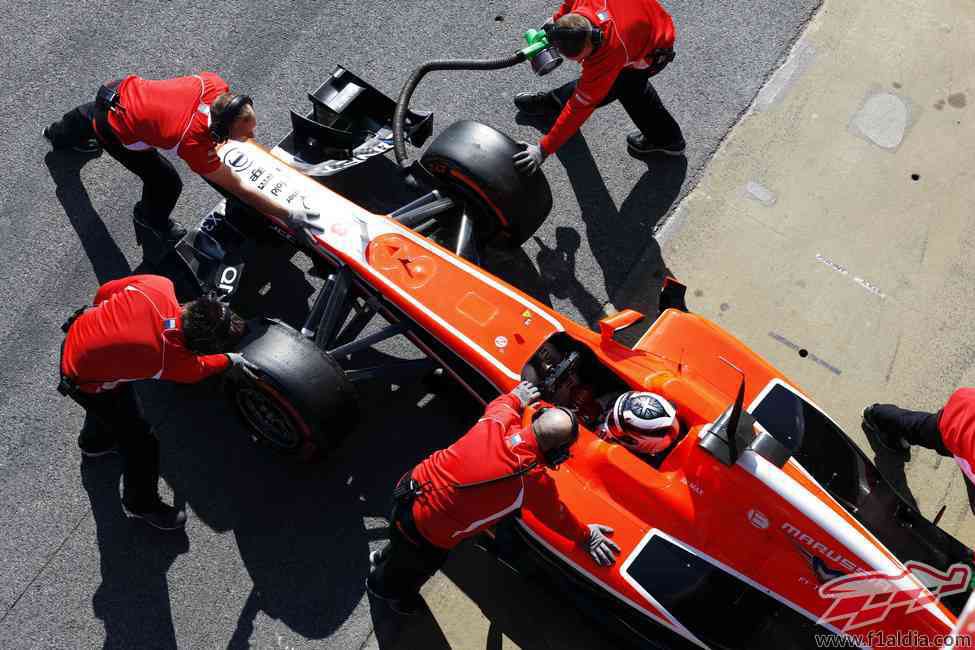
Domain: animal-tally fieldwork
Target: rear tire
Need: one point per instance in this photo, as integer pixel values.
(300, 402)
(473, 160)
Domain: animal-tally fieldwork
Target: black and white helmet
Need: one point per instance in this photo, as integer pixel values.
(645, 423)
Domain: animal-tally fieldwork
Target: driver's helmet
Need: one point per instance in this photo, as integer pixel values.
(644, 423)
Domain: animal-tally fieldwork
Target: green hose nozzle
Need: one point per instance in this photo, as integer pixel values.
(544, 58)
(537, 41)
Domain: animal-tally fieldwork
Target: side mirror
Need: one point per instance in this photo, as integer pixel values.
(618, 321)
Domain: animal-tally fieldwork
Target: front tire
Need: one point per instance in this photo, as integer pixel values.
(473, 160)
(300, 401)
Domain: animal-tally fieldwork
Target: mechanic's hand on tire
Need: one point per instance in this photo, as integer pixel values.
(240, 363)
(526, 392)
(528, 161)
(601, 549)
(305, 224)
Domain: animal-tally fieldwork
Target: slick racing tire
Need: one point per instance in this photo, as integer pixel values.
(473, 160)
(299, 402)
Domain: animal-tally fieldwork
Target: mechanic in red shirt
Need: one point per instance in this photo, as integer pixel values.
(136, 120)
(494, 470)
(620, 44)
(949, 432)
(136, 330)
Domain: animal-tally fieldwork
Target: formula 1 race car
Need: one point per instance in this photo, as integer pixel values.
(762, 526)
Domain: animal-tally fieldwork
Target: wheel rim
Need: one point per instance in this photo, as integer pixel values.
(269, 419)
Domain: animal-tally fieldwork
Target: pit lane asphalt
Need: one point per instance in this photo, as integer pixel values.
(275, 553)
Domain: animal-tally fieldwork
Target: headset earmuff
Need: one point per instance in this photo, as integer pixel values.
(220, 126)
(575, 36)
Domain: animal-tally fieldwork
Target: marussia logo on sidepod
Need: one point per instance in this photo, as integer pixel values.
(815, 546)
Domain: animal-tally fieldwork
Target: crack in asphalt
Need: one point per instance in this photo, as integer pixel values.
(45, 565)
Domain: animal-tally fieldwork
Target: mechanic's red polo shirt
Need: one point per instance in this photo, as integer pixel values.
(171, 115)
(957, 426)
(632, 30)
(497, 445)
(133, 332)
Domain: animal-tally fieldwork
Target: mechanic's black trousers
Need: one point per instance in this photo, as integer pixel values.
(161, 184)
(408, 560)
(640, 100)
(917, 428)
(116, 416)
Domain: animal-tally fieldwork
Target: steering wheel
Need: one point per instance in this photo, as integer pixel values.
(553, 379)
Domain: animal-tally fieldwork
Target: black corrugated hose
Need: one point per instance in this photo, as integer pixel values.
(403, 103)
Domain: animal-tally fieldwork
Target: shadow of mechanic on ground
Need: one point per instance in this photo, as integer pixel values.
(619, 238)
(133, 598)
(303, 531)
(107, 259)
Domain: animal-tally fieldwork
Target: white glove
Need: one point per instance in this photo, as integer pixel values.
(305, 225)
(529, 160)
(602, 549)
(239, 362)
(526, 392)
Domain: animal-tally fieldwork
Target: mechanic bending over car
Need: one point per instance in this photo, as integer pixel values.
(645, 423)
(135, 120)
(135, 330)
(496, 468)
(620, 44)
(950, 432)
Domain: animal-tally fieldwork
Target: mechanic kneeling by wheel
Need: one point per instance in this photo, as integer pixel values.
(620, 44)
(135, 120)
(137, 330)
(496, 468)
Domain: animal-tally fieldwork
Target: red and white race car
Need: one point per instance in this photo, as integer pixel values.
(765, 526)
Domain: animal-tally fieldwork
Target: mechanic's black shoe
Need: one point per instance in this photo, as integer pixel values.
(891, 442)
(87, 146)
(96, 448)
(173, 233)
(639, 145)
(158, 514)
(94, 441)
(409, 606)
(537, 103)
